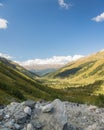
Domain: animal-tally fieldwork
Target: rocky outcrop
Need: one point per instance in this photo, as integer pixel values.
(56, 115)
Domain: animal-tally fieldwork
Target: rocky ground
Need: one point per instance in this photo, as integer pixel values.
(56, 115)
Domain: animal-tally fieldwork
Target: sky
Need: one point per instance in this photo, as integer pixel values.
(45, 29)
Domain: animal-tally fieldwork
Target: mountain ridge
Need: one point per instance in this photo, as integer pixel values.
(41, 70)
(82, 79)
(18, 84)
(83, 62)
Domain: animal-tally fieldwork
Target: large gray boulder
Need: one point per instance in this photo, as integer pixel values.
(51, 116)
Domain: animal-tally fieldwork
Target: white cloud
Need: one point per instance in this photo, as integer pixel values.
(63, 4)
(55, 60)
(99, 18)
(3, 23)
(5, 56)
(1, 5)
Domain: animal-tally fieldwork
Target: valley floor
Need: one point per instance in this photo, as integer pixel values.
(80, 92)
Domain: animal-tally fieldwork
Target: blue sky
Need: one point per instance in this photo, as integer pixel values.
(33, 29)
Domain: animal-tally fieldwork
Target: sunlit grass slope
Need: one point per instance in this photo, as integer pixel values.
(82, 79)
(83, 71)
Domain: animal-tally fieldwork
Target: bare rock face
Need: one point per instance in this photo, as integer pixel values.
(56, 115)
(60, 112)
(52, 116)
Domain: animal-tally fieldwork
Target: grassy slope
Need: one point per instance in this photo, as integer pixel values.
(82, 79)
(16, 66)
(19, 84)
(85, 70)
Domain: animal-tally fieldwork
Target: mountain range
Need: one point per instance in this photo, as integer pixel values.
(84, 70)
(82, 79)
(78, 81)
(43, 68)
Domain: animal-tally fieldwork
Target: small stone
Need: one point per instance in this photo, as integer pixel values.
(37, 124)
(102, 120)
(6, 116)
(21, 118)
(9, 124)
(47, 108)
(38, 106)
(27, 110)
(30, 127)
(13, 121)
(24, 128)
(2, 106)
(29, 103)
(92, 127)
(1, 117)
(17, 126)
(92, 108)
(13, 103)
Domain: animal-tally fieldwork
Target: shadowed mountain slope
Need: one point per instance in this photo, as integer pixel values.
(83, 79)
(90, 67)
(16, 83)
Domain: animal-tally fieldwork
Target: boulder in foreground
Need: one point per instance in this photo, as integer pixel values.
(56, 115)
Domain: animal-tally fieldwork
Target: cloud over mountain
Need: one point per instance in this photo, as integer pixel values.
(57, 60)
(5, 56)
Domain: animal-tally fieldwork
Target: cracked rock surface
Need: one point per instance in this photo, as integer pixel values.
(56, 115)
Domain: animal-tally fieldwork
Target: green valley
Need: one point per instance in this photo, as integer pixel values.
(82, 79)
(18, 84)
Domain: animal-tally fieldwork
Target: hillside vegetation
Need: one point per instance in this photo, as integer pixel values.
(82, 79)
(17, 84)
